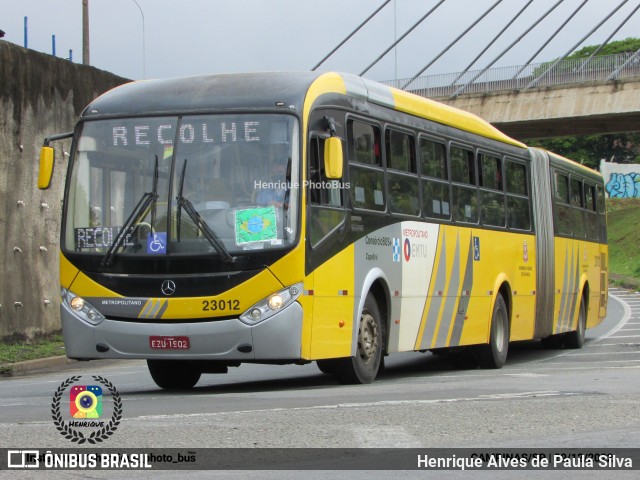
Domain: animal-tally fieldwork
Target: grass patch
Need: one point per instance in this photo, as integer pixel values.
(623, 227)
(18, 351)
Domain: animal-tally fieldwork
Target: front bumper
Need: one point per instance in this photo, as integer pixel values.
(277, 338)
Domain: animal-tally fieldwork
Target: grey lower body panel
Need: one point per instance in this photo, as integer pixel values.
(277, 338)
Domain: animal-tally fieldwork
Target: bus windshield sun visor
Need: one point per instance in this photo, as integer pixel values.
(201, 224)
(145, 201)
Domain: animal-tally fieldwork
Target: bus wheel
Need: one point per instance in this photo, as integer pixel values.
(173, 375)
(363, 368)
(494, 354)
(575, 339)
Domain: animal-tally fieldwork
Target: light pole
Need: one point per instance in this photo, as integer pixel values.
(144, 60)
(85, 32)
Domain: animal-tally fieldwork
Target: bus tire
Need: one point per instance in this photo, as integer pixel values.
(494, 355)
(173, 375)
(575, 339)
(364, 367)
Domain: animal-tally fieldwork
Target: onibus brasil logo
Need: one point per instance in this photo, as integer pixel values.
(85, 409)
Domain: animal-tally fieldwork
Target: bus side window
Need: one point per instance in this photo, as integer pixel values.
(576, 193)
(561, 199)
(465, 198)
(367, 188)
(321, 189)
(403, 188)
(561, 187)
(366, 176)
(325, 196)
(518, 206)
(462, 166)
(364, 143)
(577, 202)
(435, 187)
(591, 212)
(400, 149)
(590, 197)
(491, 193)
(600, 198)
(602, 223)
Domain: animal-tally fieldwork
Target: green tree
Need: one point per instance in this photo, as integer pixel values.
(628, 45)
(590, 149)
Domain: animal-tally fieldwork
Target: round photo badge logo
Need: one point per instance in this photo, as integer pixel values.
(86, 409)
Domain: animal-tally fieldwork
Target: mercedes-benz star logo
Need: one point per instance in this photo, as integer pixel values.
(168, 287)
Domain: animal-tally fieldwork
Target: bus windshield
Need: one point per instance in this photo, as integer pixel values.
(191, 185)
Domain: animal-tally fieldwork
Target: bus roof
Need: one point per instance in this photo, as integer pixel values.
(425, 108)
(244, 91)
(203, 94)
(574, 166)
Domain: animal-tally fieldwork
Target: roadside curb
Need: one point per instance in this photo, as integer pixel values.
(19, 368)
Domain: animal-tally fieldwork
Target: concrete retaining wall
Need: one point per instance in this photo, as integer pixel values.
(40, 95)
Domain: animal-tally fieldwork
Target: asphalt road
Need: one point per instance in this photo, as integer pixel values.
(541, 398)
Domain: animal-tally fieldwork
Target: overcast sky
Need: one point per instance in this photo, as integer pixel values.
(190, 37)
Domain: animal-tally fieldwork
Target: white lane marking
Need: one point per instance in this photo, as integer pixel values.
(623, 321)
(588, 354)
(599, 362)
(381, 403)
(625, 318)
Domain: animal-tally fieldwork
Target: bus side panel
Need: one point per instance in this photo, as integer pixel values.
(501, 257)
(454, 308)
(401, 256)
(453, 314)
(333, 299)
(603, 272)
(593, 267)
(569, 257)
(418, 244)
(467, 266)
(578, 264)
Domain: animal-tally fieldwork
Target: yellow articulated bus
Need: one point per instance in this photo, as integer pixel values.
(296, 217)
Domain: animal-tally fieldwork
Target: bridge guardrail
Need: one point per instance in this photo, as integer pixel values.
(569, 71)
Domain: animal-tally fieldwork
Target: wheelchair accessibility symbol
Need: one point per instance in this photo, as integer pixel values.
(157, 243)
(476, 249)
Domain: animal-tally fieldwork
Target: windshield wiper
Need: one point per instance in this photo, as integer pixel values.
(142, 206)
(184, 203)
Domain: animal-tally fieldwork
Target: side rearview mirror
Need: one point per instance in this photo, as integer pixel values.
(47, 158)
(333, 158)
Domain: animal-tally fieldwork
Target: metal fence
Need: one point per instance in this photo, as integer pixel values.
(599, 68)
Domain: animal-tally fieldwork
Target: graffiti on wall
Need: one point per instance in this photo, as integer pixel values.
(624, 185)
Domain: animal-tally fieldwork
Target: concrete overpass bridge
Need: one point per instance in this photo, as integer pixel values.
(545, 100)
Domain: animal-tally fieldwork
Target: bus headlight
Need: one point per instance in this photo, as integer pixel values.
(267, 307)
(83, 309)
